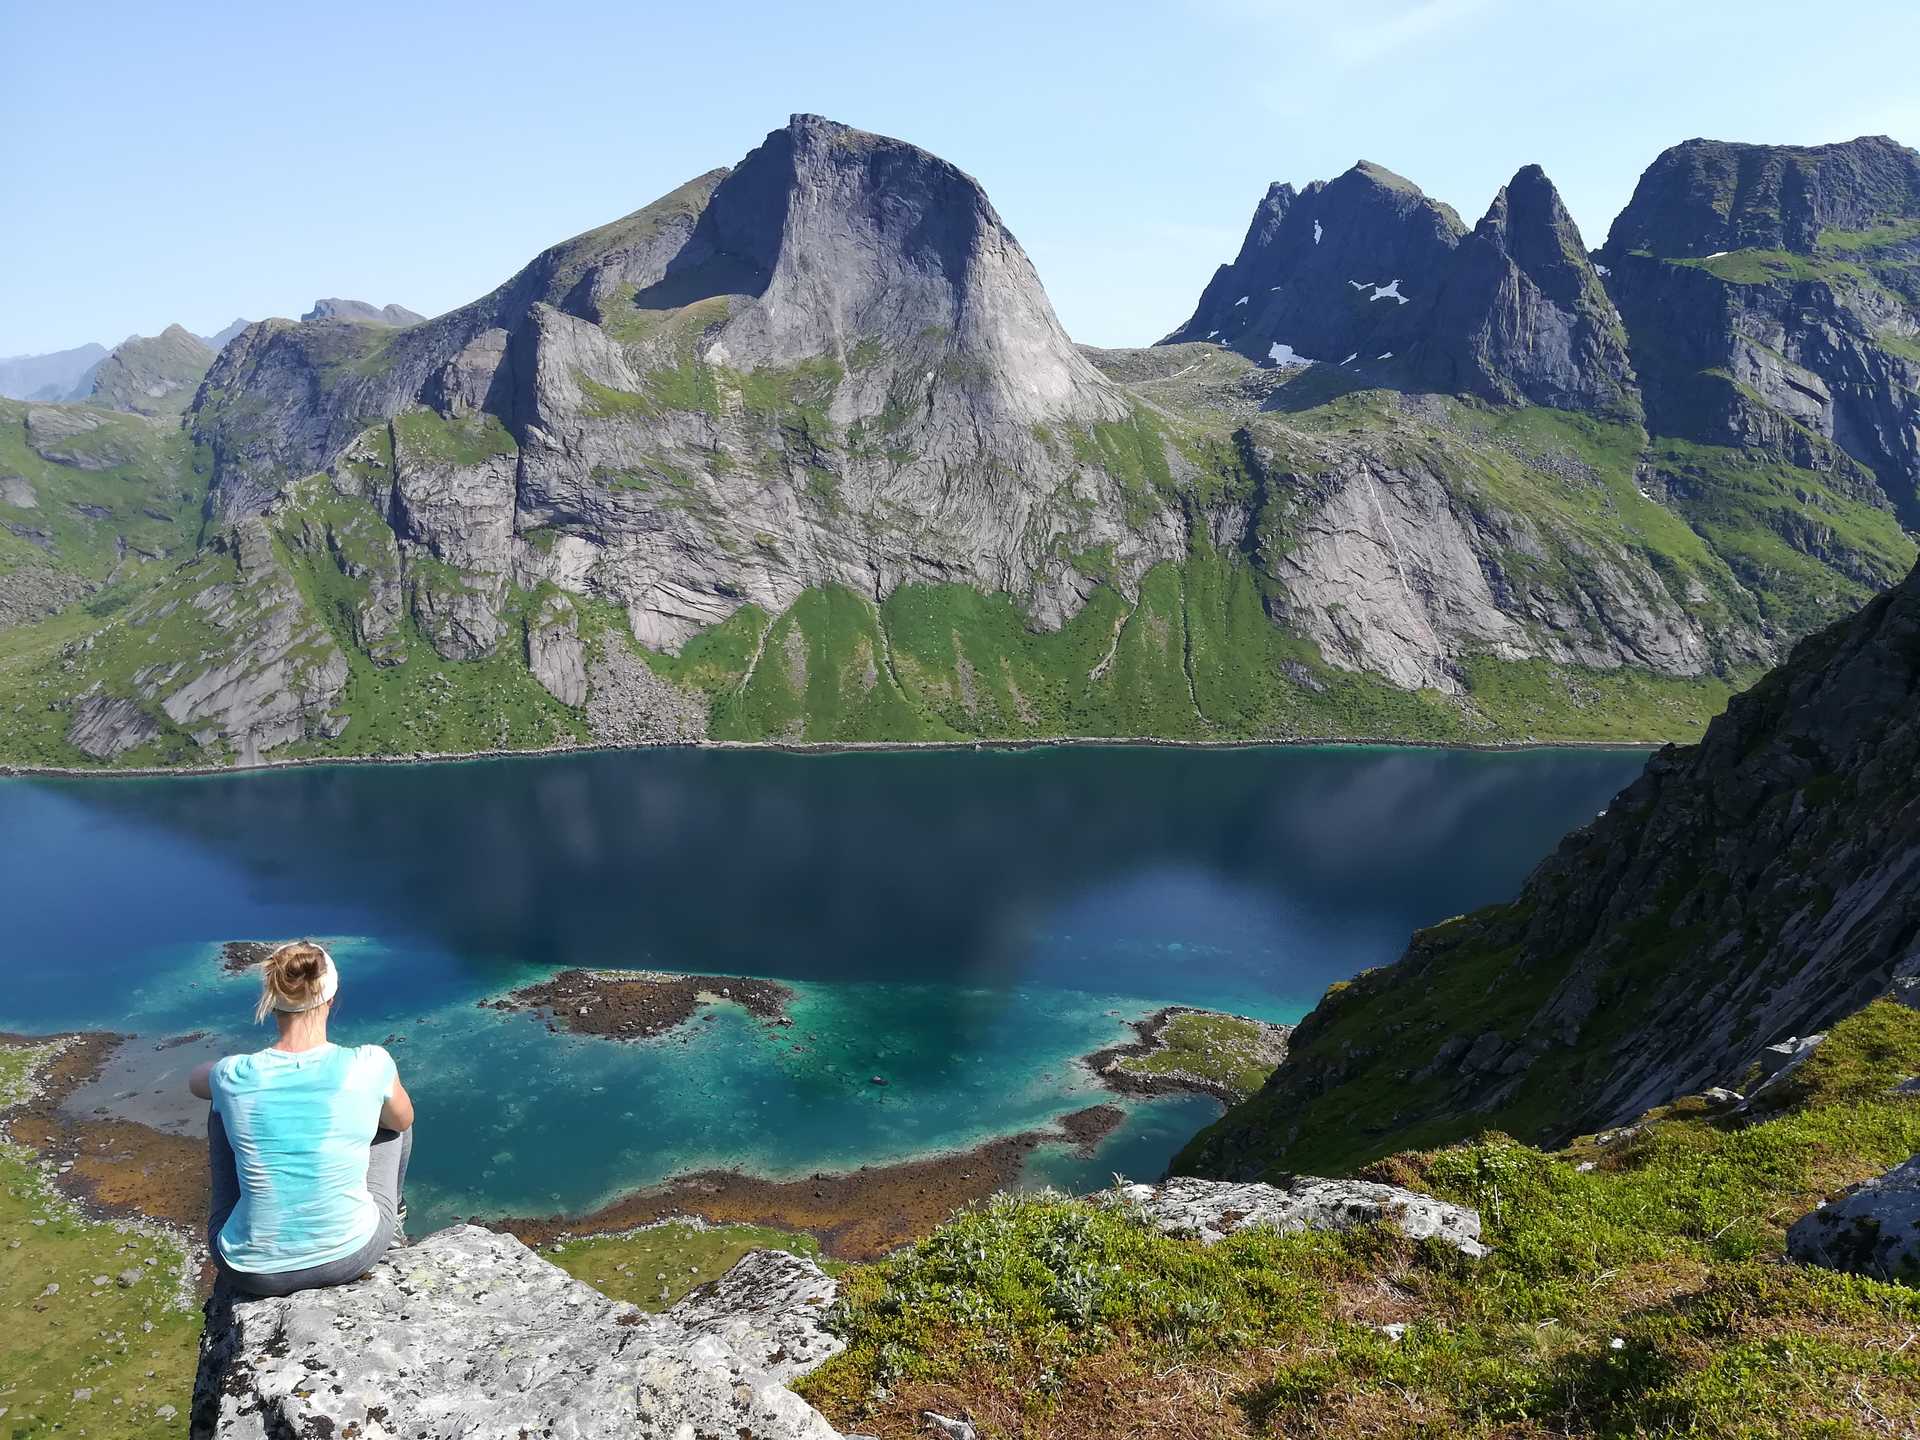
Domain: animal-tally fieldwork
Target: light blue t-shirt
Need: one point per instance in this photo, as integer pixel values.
(300, 1125)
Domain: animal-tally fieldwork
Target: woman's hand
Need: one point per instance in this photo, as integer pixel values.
(200, 1082)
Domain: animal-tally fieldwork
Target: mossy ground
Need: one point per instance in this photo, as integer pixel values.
(656, 1266)
(80, 1357)
(1643, 1295)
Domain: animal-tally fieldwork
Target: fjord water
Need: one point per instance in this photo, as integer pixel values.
(962, 925)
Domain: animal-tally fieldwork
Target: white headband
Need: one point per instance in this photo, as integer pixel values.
(329, 986)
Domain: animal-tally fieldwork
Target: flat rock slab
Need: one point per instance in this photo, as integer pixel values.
(768, 1310)
(1872, 1230)
(470, 1333)
(1211, 1210)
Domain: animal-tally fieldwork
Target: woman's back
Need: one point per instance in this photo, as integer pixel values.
(300, 1124)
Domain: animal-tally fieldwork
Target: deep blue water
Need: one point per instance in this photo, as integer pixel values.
(964, 924)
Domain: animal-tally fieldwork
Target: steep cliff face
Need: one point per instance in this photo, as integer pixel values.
(1773, 298)
(1761, 884)
(834, 359)
(1706, 195)
(1523, 316)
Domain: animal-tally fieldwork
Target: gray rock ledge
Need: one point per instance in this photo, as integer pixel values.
(1211, 1210)
(469, 1333)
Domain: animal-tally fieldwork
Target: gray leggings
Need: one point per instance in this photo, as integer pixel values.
(387, 1160)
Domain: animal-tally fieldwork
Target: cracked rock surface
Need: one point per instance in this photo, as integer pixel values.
(1211, 1210)
(470, 1333)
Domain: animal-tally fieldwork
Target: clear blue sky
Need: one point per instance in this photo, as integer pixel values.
(199, 162)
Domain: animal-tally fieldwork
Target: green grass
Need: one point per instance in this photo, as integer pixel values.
(1772, 521)
(424, 435)
(656, 1266)
(145, 492)
(82, 1358)
(1643, 1295)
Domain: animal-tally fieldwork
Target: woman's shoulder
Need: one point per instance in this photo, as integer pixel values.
(370, 1059)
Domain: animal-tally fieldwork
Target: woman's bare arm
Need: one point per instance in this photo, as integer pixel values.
(200, 1081)
(397, 1111)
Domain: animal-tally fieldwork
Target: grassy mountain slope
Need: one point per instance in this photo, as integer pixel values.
(1207, 647)
(1751, 887)
(1635, 1288)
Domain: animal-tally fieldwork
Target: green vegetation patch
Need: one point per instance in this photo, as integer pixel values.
(101, 1340)
(119, 500)
(1634, 1288)
(654, 1267)
(425, 435)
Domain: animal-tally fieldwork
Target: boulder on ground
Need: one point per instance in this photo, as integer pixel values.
(1210, 1210)
(471, 1333)
(1872, 1230)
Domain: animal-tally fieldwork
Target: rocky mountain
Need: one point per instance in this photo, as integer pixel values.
(1763, 883)
(1772, 299)
(90, 499)
(54, 376)
(1366, 271)
(152, 374)
(217, 341)
(337, 309)
(801, 452)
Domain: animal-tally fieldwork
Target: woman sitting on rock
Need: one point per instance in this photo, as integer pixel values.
(308, 1142)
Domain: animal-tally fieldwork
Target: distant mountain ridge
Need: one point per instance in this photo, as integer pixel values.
(53, 376)
(800, 451)
(153, 374)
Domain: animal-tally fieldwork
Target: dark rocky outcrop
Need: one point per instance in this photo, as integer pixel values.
(1872, 1230)
(1523, 316)
(1366, 271)
(1706, 195)
(1762, 883)
(1349, 267)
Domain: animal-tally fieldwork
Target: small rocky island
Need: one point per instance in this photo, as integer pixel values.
(641, 1004)
(1205, 1051)
(239, 956)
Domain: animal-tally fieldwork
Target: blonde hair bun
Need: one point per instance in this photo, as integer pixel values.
(298, 975)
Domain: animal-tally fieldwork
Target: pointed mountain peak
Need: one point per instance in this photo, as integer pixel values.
(1380, 175)
(1530, 220)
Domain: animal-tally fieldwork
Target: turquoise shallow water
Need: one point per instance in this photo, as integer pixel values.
(963, 924)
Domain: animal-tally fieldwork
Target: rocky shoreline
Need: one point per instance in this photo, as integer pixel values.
(640, 1004)
(110, 1168)
(855, 1214)
(1154, 1040)
(113, 1168)
(828, 747)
